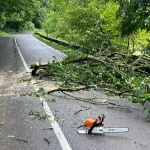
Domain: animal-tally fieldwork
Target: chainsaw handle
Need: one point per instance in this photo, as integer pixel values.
(101, 119)
(95, 124)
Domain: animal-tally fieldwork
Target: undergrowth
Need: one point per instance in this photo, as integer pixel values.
(2, 33)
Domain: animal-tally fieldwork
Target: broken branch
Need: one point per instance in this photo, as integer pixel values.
(72, 89)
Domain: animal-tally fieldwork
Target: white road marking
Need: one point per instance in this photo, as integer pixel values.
(24, 63)
(60, 136)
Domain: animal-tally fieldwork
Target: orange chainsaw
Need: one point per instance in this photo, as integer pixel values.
(96, 126)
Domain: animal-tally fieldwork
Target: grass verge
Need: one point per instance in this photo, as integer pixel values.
(2, 33)
(52, 44)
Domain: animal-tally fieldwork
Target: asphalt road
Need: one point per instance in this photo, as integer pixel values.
(20, 131)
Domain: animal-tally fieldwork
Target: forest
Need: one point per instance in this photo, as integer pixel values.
(113, 38)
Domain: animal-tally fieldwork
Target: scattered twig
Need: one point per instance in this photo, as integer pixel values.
(39, 82)
(50, 128)
(79, 98)
(128, 108)
(38, 115)
(120, 107)
(89, 100)
(83, 109)
(45, 139)
(25, 141)
(120, 93)
(1, 125)
(114, 104)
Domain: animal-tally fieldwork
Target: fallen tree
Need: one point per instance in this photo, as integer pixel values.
(120, 74)
(140, 63)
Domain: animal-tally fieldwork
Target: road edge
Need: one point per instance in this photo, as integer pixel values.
(58, 132)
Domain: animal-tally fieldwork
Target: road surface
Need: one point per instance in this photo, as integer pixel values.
(21, 131)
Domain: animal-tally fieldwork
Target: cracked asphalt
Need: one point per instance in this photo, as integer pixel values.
(20, 131)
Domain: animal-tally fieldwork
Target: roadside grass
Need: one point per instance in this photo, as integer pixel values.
(2, 33)
(71, 53)
(52, 44)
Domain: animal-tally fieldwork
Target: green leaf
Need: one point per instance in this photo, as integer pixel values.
(11, 136)
(84, 120)
(32, 113)
(53, 100)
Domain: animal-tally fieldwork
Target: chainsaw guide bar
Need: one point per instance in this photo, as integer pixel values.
(102, 130)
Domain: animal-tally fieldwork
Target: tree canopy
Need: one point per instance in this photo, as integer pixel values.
(99, 24)
(112, 17)
(134, 14)
(17, 14)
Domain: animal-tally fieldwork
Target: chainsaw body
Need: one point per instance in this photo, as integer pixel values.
(96, 126)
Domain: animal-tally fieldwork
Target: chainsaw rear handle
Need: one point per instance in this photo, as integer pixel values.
(101, 119)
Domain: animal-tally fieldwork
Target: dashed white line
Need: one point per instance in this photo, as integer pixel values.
(60, 136)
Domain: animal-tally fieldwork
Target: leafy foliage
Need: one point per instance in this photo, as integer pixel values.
(93, 24)
(123, 75)
(42, 13)
(16, 15)
(105, 27)
(134, 14)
